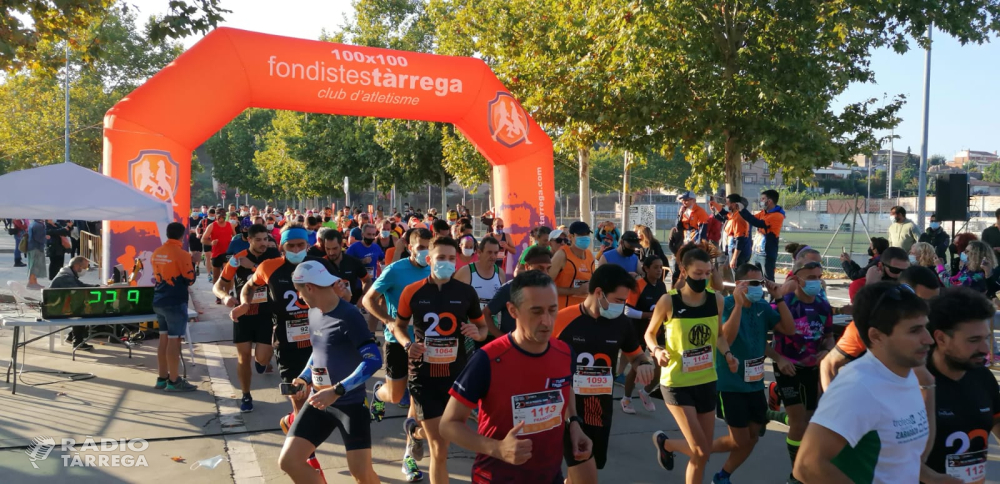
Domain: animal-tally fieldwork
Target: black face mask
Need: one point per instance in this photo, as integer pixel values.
(697, 285)
(368, 241)
(871, 253)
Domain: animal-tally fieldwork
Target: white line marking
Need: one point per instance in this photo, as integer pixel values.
(239, 450)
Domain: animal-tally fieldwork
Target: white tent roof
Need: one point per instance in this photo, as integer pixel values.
(67, 191)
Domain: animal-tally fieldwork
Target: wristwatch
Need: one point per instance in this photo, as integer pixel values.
(339, 389)
(407, 346)
(574, 418)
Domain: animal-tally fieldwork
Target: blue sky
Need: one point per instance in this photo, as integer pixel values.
(965, 80)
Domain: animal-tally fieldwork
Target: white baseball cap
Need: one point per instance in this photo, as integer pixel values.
(555, 234)
(313, 272)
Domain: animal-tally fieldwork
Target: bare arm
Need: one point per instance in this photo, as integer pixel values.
(814, 463)
(221, 289)
(371, 304)
(206, 239)
(464, 274)
(454, 428)
(731, 329)
(492, 328)
(787, 324)
(660, 314)
(829, 367)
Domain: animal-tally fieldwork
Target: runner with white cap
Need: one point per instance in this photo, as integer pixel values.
(345, 356)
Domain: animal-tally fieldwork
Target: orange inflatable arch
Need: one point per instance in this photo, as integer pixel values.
(149, 135)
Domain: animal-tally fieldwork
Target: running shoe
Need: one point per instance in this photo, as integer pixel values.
(780, 417)
(377, 407)
(405, 401)
(620, 380)
(716, 479)
(286, 422)
(773, 401)
(246, 404)
(414, 446)
(259, 367)
(410, 470)
(314, 463)
(84, 347)
(664, 458)
(161, 383)
(647, 401)
(627, 406)
(180, 385)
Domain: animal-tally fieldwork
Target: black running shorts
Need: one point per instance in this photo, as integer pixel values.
(701, 397)
(802, 388)
(352, 420)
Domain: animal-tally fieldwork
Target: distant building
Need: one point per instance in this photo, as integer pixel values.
(880, 159)
(758, 175)
(981, 158)
(836, 171)
(979, 187)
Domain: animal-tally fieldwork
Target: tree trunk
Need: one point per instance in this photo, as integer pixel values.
(444, 193)
(626, 191)
(584, 158)
(734, 169)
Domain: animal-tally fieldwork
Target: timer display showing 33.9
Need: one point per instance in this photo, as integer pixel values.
(93, 302)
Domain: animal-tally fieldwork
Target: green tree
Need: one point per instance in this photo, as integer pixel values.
(32, 99)
(936, 160)
(748, 80)
(23, 44)
(992, 173)
(575, 65)
(278, 164)
(233, 149)
(970, 166)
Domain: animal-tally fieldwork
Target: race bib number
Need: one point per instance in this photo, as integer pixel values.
(371, 271)
(697, 359)
(259, 295)
(969, 467)
(580, 282)
(297, 330)
(501, 255)
(320, 377)
(753, 370)
(592, 380)
(440, 350)
(539, 411)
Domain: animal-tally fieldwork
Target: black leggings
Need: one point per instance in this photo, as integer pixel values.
(55, 263)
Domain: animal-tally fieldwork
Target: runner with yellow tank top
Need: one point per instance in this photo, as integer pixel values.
(573, 265)
(690, 317)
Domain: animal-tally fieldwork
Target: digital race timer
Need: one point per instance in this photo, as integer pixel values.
(92, 302)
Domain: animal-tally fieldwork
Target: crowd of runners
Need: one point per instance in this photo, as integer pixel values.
(531, 349)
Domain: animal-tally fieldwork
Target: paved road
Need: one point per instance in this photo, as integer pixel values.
(119, 403)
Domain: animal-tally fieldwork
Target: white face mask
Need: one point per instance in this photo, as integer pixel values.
(468, 252)
(270, 226)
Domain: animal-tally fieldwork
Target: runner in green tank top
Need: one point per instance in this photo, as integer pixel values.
(690, 317)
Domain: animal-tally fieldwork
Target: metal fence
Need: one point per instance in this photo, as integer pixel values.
(90, 247)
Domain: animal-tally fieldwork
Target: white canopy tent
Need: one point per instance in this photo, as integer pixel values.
(67, 191)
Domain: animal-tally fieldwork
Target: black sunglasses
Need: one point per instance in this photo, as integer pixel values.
(894, 293)
(562, 241)
(894, 270)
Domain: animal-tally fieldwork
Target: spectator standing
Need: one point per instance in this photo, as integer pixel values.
(992, 234)
(19, 230)
(58, 239)
(692, 220)
(36, 253)
(876, 248)
(607, 235)
(649, 246)
(174, 272)
(903, 232)
(768, 222)
(937, 237)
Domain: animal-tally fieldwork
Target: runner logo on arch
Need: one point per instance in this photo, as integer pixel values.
(507, 121)
(154, 172)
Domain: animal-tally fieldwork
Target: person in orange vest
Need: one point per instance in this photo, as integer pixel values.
(573, 265)
(737, 230)
(768, 221)
(692, 220)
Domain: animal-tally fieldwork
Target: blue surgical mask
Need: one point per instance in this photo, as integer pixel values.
(913, 259)
(813, 287)
(963, 257)
(613, 311)
(422, 257)
(935, 225)
(582, 242)
(443, 269)
(385, 234)
(755, 293)
(295, 257)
